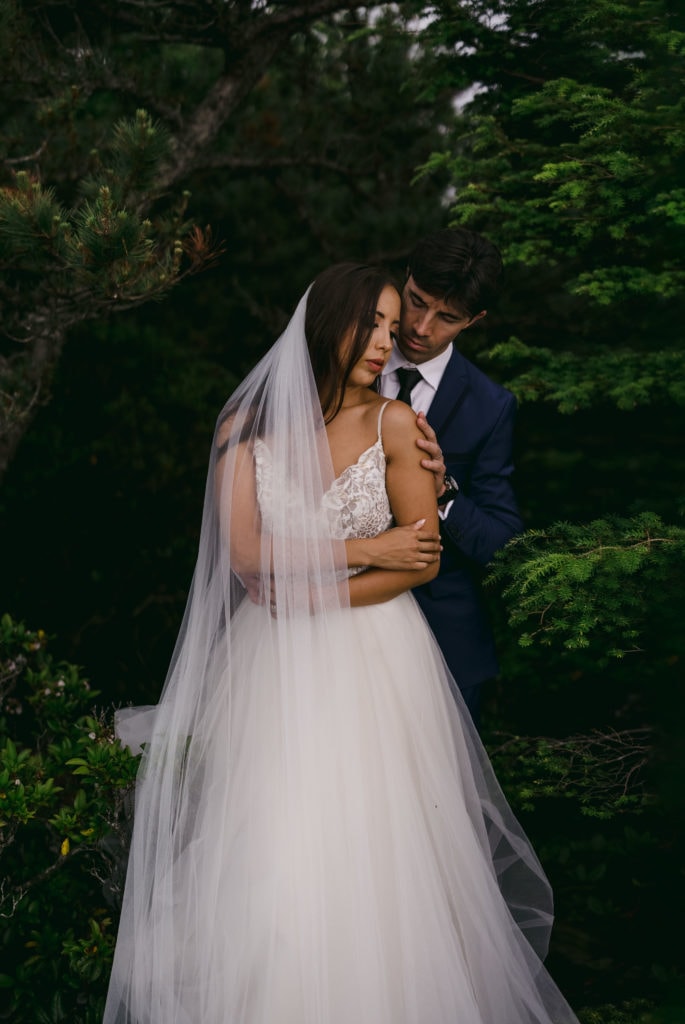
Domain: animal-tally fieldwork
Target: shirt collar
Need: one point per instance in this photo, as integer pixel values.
(431, 371)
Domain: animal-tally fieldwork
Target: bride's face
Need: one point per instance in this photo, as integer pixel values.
(385, 327)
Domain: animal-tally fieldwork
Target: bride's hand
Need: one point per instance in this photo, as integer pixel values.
(404, 547)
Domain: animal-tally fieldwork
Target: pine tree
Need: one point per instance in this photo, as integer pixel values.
(570, 155)
(110, 111)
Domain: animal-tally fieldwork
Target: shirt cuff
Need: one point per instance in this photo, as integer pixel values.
(444, 511)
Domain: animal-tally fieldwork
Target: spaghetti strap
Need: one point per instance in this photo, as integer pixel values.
(380, 417)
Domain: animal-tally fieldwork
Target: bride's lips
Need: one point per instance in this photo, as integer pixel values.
(376, 365)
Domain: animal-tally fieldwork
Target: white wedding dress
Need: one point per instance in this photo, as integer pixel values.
(341, 862)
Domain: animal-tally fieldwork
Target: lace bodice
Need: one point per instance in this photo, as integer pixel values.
(355, 505)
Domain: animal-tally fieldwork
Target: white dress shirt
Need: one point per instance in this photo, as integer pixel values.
(423, 392)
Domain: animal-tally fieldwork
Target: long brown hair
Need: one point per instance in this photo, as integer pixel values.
(343, 298)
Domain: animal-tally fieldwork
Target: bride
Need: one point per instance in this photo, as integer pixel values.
(319, 837)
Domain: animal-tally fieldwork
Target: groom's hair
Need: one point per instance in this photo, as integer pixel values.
(341, 305)
(458, 266)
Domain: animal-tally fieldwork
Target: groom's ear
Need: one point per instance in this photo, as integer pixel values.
(478, 316)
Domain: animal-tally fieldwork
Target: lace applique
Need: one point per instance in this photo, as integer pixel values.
(355, 505)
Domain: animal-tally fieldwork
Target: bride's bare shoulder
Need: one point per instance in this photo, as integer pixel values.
(398, 418)
(399, 431)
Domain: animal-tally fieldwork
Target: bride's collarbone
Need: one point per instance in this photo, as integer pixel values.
(352, 433)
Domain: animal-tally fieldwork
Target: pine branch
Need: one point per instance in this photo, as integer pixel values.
(100, 256)
(579, 380)
(592, 585)
(605, 770)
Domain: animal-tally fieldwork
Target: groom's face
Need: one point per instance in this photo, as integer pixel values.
(428, 324)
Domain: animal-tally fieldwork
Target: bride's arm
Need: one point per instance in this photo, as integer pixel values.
(411, 493)
(410, 547)
(402, 557)
(238, 511)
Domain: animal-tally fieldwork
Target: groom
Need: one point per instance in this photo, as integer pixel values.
(452, 277)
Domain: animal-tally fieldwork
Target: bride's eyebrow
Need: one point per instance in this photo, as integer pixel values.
(395, 322)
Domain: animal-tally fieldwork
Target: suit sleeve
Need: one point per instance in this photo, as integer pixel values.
(482, 519)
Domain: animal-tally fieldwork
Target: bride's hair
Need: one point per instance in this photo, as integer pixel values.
(342, 300)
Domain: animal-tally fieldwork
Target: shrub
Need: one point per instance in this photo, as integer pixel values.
(64, 782)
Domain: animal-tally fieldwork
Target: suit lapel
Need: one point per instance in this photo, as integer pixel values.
(450, 394)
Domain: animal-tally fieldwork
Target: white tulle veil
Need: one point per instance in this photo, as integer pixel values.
(272, 546)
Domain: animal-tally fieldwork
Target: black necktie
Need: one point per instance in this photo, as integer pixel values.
(408, 378)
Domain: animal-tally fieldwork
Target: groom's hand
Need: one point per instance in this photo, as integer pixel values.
(434, 461)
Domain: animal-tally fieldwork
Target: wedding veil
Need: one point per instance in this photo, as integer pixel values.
(265, 540)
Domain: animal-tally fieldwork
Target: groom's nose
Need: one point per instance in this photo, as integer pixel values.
(422, 324)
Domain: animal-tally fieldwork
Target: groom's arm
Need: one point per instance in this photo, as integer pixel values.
(481, 521)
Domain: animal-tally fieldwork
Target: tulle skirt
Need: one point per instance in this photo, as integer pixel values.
(342, 848)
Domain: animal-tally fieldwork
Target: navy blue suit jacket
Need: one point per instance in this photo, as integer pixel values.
(474, 419)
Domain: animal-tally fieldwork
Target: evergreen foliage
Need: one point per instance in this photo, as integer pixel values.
(637, 1011)
(624, 377)
(604, 145)
(63, 265)
(577, 585)
(111, 111)
(603, 773)
(571, 155)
